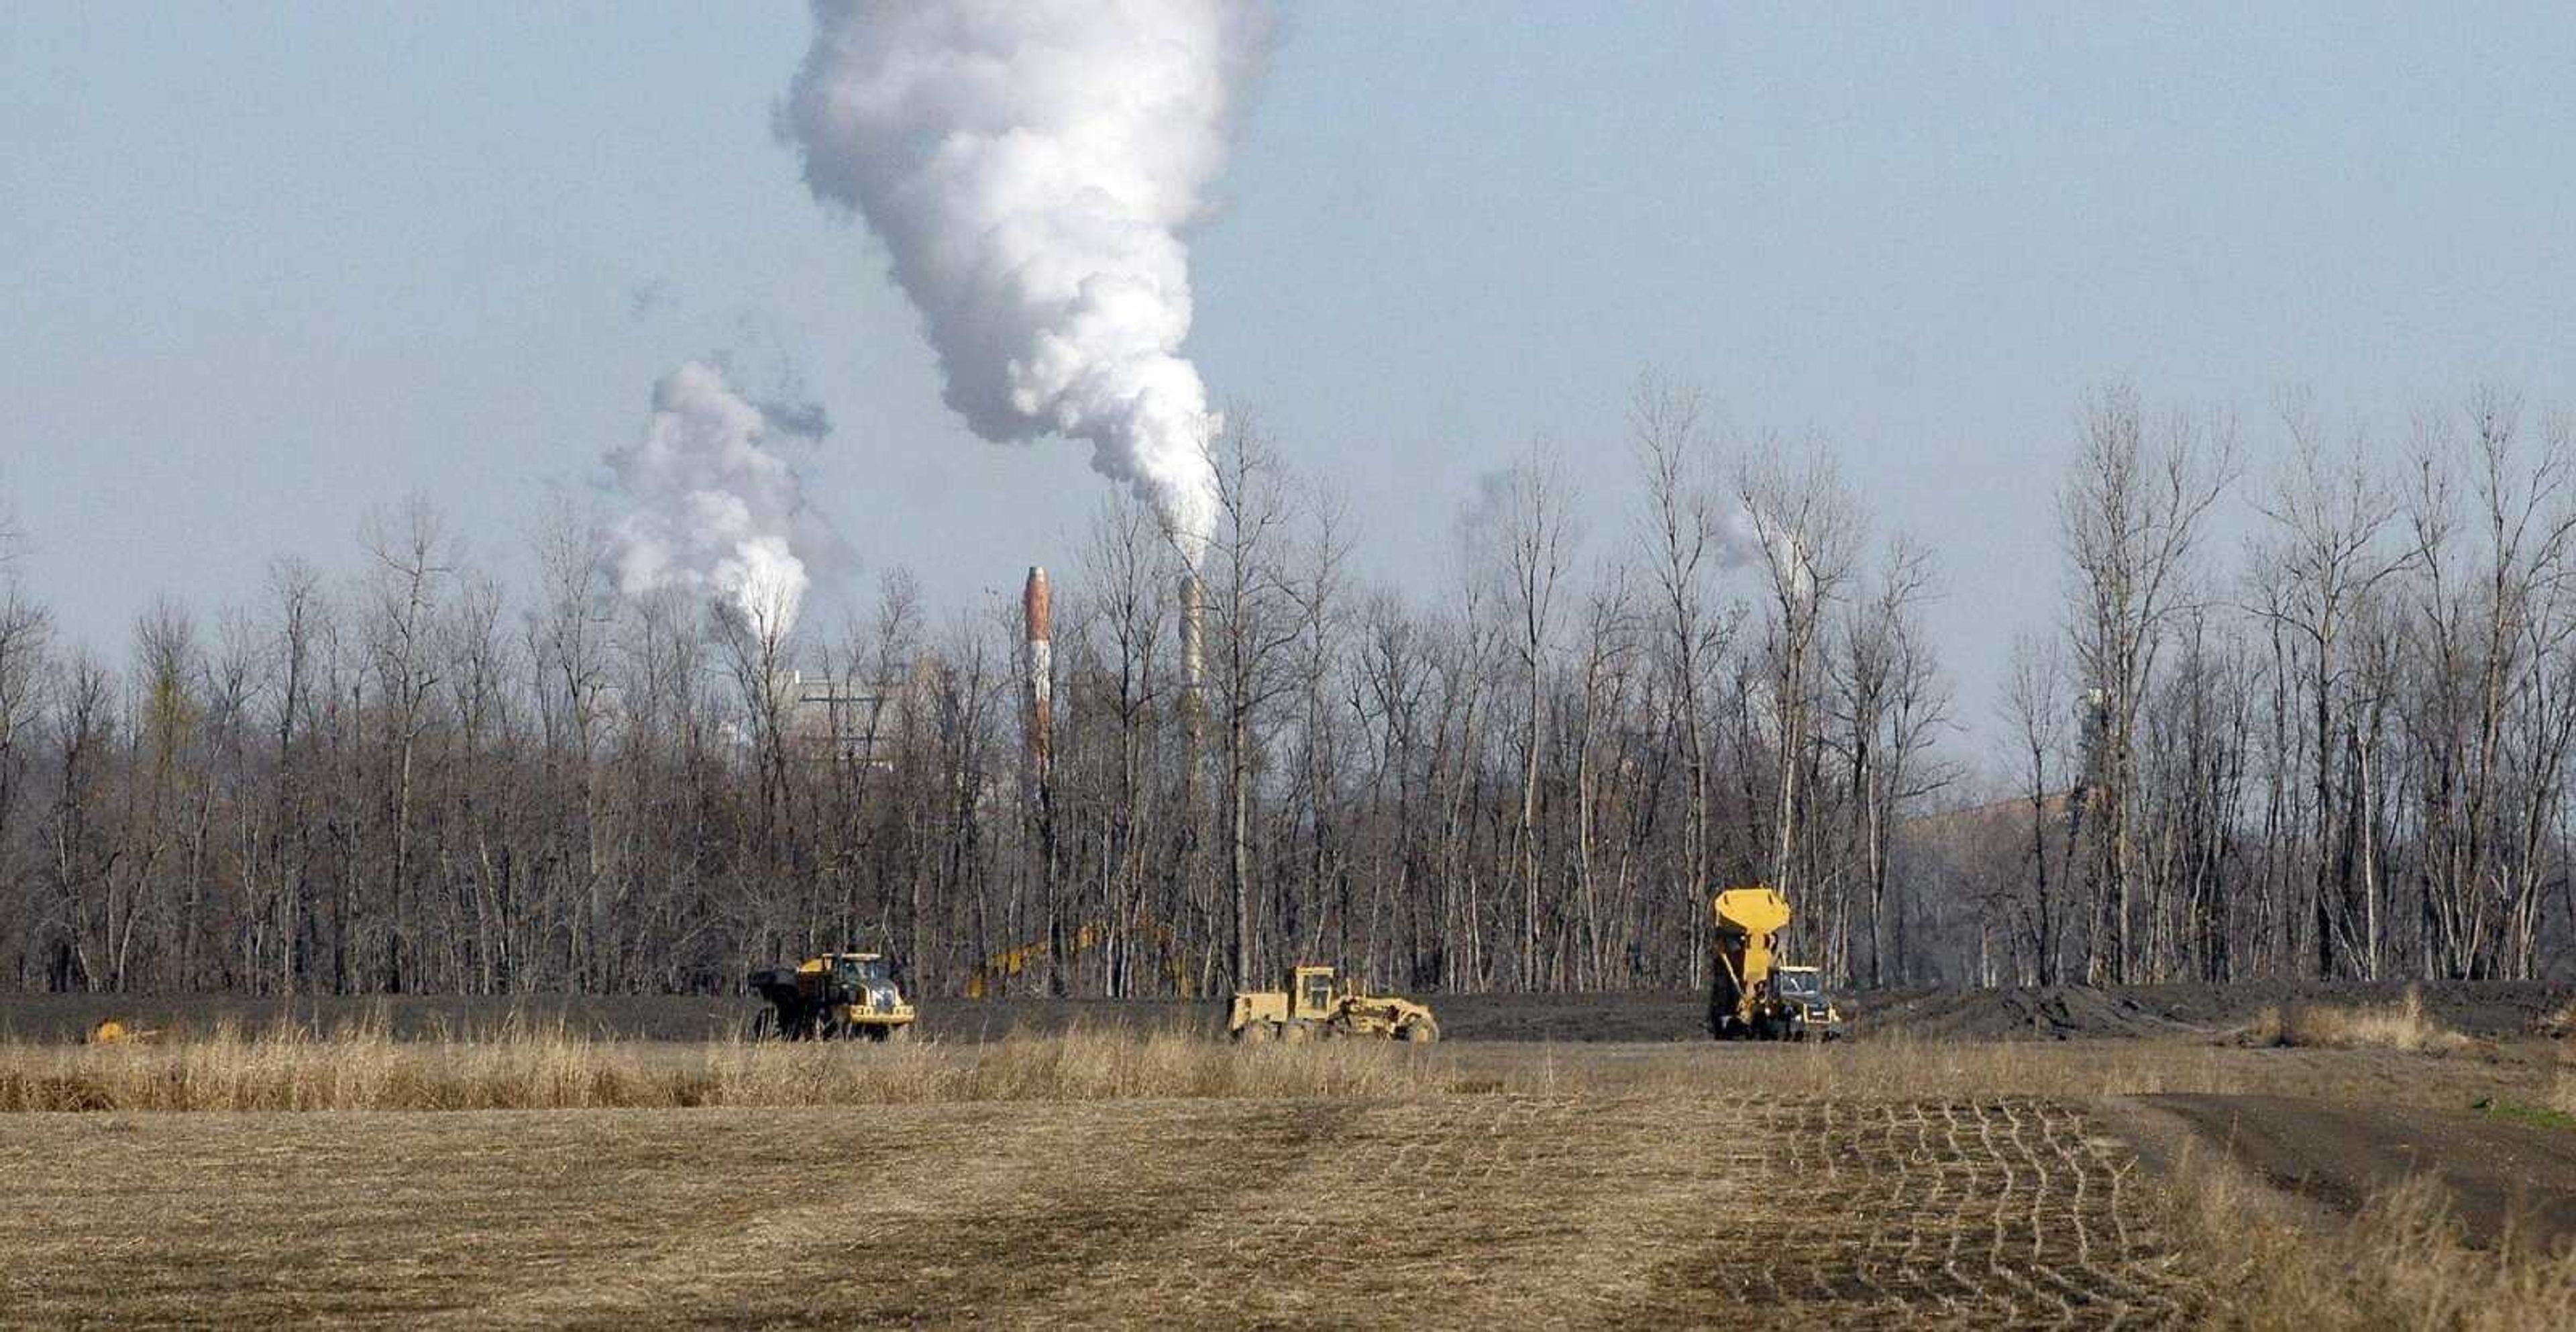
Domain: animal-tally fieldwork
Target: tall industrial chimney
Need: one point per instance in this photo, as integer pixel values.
(1038, 612)
(1193, 636)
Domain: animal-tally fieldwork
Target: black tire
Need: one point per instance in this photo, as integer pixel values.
(764, 1025)
(1294, 1033)
(1421, 1031)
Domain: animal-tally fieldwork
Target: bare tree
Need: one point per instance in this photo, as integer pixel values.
(2323, 558)
(1891, 704)
(1536, 536)
(1609, 654)
(1681, 525)
(2132, 515)
(1252, 619)
(2033, 710)
(1134, 572)
(413, 562)
(1807, 530)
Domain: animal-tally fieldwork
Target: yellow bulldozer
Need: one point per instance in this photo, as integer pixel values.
(1751, 995)
(1315, 1007)
(838, 996)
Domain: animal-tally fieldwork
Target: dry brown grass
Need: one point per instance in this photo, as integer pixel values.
(537, 1066)
(529, 1067)
(2558, 1024)
(2402, 1026)
(2400, 1262)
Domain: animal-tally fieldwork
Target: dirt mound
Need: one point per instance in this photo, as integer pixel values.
(2052, 1012)
(2066, 1012)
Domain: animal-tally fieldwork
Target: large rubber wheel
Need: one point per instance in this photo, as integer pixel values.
(1419, 1032)
(764, 1025)
(1255, 1032)
(1293, 1033)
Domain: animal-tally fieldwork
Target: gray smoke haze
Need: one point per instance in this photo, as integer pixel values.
(1031, 166)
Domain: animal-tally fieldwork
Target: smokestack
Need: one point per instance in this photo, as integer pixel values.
(1038, 613)
(1193, 636)
(1193, 687)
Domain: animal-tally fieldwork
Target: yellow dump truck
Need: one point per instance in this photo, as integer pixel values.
(838, 996)
(1751, 996)
(1314, 1007)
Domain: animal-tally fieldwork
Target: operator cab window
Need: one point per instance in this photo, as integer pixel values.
(1319, 991)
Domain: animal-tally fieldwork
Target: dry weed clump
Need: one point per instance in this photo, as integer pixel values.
(523, 1066)
(2558, 1024)
(2400, 1026)
(357, 1066)
(2400, 1262)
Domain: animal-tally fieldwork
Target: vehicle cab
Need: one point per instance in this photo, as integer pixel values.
(1802, 991)
(860, 984)
(1314, 993)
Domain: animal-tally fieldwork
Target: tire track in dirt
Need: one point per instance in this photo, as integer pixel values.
(2002, 1213)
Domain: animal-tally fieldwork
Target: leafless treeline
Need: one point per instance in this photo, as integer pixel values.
(2341, 751)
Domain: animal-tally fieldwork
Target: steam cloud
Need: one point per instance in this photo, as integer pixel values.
(1030, 165)
(711, 507)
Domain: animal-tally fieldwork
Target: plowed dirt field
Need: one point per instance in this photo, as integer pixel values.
(1446, 1211)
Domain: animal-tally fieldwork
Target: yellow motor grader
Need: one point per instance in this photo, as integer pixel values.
(838, 996)
(1751, 996)
(1314, 1007)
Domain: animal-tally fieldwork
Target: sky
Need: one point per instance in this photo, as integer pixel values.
(264, 268)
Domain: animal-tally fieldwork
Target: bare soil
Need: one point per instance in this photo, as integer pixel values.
(1438, 1211)
(2505, 1178)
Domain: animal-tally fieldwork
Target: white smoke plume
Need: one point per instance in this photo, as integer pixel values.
(710, 506)
(1031, 166)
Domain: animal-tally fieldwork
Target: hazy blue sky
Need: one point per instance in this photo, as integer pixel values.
(263, 267)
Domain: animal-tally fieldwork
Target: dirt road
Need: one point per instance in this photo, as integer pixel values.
(2499, 1171)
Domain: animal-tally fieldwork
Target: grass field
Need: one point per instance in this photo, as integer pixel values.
(1121, 1176)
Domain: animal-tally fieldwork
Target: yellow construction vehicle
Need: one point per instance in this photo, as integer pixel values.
(838, 996)
(1313, 1007)
(1751, 996)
